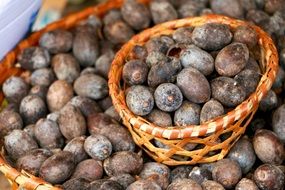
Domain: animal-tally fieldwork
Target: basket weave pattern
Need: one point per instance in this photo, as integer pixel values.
(8, 67)
(215, 137)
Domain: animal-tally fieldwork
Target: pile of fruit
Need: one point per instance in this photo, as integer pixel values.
(60, 124)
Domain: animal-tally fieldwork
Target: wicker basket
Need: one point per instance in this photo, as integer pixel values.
(215, 137)
(8, 67)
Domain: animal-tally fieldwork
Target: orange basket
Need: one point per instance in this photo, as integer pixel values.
(8, 68)
(213, 138)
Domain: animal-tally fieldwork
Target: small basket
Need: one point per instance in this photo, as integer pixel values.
(215, 137)
(8, 67)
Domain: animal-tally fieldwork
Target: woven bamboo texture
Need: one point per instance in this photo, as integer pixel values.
(9, 67)
(213, 138)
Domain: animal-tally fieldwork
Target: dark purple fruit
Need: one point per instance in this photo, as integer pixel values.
(246, 35)
(105, 184)
(212, 36)
(160, 118)
(112, 112)
(190, 8)
(135, 72)
(141, 19)
(155, 57)
(181, 184)
(140, 100)
(98, 147)
(246, 184)
(32, 108)
(168, 97)
(123, 162)
(243, 153)
(227, 91)
(34, 58)
(159, 172)
(71, 122)
(144, 184)
(269, 102)
(198, 59)
(103, 64)
(15, 89)
(65, 67)
(194, 85)
(18, 143)
(180, 172)
(57, 41)
(58, 168)
(268, 147)
(118, 32)
(76, 147)
(212, 185)
(227, 172)
(232, 59)
(48, 134)
(164, 71)
(269, 177)
(91, 86)
(199, 175)
(183, 35)
(59, 93)
(161, 44)
(105, 103)
(33, 160)
(162, 11)
(76, 184)
(9, 120)
(187, 114)
(211, 110)
(89, 170)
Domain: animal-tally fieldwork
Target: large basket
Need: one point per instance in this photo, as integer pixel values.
(215, 137)
(8, 67)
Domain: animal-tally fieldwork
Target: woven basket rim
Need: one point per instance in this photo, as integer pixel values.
(176, 132)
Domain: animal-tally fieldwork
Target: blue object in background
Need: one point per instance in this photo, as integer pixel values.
(16, 19)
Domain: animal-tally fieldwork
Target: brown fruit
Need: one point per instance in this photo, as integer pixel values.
(89, 170)
(18, 143)
(212, 185)
(199, 175)
(15, 89)
(268, 103)
(180, 172)
(272, 6)
(32, 161)
(232, 59)
(76, 184)
(86, 105)
(112, 112)
(40, 91)
(231, 8)
(98, 147)
(105, 184)
(183, 35)
(9, 120)
(71, 122)
(246, 184)
(155, 57)
(190, 8)
(48, 134)
(96, 122)
(269, 177)
(59, 93)
(227, 91)
(211, 110)
(123, 162)
(135, 72)
(118, 32)
(246, 35)
(212, 36)
(105, 103)
(184, 184)
(249, 79)
(30, 129)
(278, 120)
(103, 64)
(32, 108)
(56, 41)
(243, 153)
(159, 172)
(227, 172)
(194, 85)
(58, 168)
(65, 67)
(187, 114)
(268, 147)
(141, 19)
(123, 179)
(43, 77)
(91, 86)
(76, 147)
(161, 44)
(144, 184)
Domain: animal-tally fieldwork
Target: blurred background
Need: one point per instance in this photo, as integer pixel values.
(50, 11)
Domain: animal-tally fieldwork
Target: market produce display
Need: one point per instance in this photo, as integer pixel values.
(60, 124)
